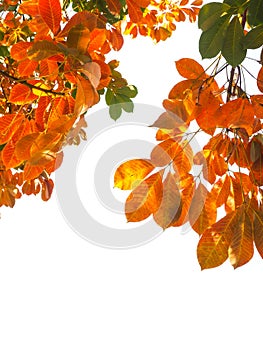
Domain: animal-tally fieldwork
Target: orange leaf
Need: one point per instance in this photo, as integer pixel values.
(183, 160)
(19, 50)
(212, 249)
(50, 11)
(116, 39)
(86, 18)
(260, 80)
(171, 205)
(220, 190)
(202, 212)
(79, 38)
(21, 94)
(129, 174)
(258, 230)
(204, 109)
(134, 11)
(241, 247)
(145, 199)
(23, 146)
(49, 69)
(235, 114)
(164, 152)
(190, 69)
(9, 124)
(27, 68)
(32, 171)
(187, 185)
(114, 6)
(177, 108)
(169, 120)
(97, 40)
(86, 96)
(257, 103)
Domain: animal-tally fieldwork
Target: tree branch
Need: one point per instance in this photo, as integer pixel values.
(31, 86)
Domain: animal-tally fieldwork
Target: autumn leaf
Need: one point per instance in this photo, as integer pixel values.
(241, 246)
(86, 96)
(50, 11)
(145, 199)
(212, 249)
(21, 94)
(171, 206)
(114, 6)
(202, 212)
(130, 173)
(190, 69)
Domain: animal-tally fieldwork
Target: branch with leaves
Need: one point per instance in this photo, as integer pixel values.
(54, 68)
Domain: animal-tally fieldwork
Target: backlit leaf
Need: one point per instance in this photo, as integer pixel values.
(202, 212)
(241, 247)
(114, 6)
(212, 249)
(50, 11)
(190, 69)
(258, 230)
(145, 199)
(171, 206)
(130, 173)
(21, 94)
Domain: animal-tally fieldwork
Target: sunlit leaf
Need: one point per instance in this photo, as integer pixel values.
(212, 249)
(145, 199)
(171, 205)
(241, 247)
(190, 69)
(129, 174)
(50, 11)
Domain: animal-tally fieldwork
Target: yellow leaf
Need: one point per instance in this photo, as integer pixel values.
(131, 173)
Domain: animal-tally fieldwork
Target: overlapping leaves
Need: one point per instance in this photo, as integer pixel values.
(165, 186)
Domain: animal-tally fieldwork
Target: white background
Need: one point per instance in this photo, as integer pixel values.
(58, 291)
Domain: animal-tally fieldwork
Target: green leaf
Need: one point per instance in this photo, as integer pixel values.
(4, 51)
(233, 50)
(236, 3)
(115, 111)
(210, 13)
(129, 91)
(109, 96)
(211, 41)
(255, 12)
(254, 38)
(125, 103)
